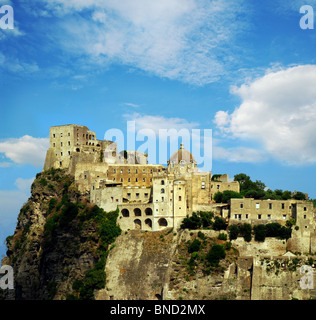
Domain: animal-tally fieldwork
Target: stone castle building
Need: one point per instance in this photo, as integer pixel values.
(152, 197)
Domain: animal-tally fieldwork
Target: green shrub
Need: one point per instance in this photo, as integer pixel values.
(245, 231)
(43, 182)
(233, 232)
(216, 253)
(201, 235)
(219, 224)
(260, 232)
(194, 246)
(222, 236)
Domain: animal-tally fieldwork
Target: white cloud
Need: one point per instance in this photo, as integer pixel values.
(187, 40)
(11, 203)
(24, 184)
(157, 123)
(129, 104)
(278, 111)
(25, 150)
(238, 154)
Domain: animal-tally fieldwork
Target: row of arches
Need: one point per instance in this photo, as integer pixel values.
(162, 223)
(137, 212)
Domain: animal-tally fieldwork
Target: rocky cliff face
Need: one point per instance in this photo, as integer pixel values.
(66, 248)
(59, 243)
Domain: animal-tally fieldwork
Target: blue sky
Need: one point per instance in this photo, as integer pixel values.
(244, 69)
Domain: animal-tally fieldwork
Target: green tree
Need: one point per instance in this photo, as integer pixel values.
(299, 196)
(233, 232)
(194, 246)
(260, 232)
(219, 224)
(228, 194)
(245, 230)
(216, 253)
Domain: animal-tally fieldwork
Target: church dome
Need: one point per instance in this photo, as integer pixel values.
(182, 156)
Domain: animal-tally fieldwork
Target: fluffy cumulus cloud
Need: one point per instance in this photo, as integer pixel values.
(278, 111)
(156, 123)
(25, 150)
(187, 40)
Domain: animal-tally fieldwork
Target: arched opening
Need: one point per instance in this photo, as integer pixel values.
(137, 212)
(125, 213)
(148, 224)
(148, 212)
(162, 190)
(162, 182)
(137, 224)
(78, 150)
(162, 222)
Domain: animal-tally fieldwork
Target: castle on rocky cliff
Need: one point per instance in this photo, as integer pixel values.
(153, 197)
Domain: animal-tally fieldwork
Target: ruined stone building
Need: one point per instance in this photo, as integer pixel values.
(150, 196)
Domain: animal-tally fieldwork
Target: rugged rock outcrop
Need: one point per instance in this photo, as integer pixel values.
(67, 248)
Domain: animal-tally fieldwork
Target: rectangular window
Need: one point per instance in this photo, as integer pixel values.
(284, 217)
(136, 179)
(241, 206)
(283, 206)
(136, 171)
(179, 198)
(270, 206)
(121, 179)
(144, 179)
(129, 170)
(146, 195)
(305, 209)
(247, 216)
(68, 143)
(128, 195)
(257, 205)
(114, 170)
(259, 216)
(218, 186)
(129, 179)
(144, 171)
(61, 144)
(54, 136)
(68, 134)
(203, 185)
(137, 195)
(54, 144)
(304, 216)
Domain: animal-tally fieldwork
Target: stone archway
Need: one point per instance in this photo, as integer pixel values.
(137, 224)
(148, 212)
(125, 213)
(148, 224)
(162, 223)
(137, 212)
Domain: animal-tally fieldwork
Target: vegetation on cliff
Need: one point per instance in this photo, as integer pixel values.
(61, 240)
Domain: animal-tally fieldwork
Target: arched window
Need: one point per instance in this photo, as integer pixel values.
(137, 212)
(162, 222)
(125, 213)
(162, 190)
(148, 212)
(148, 224)
(137, 224)
(162, 182)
